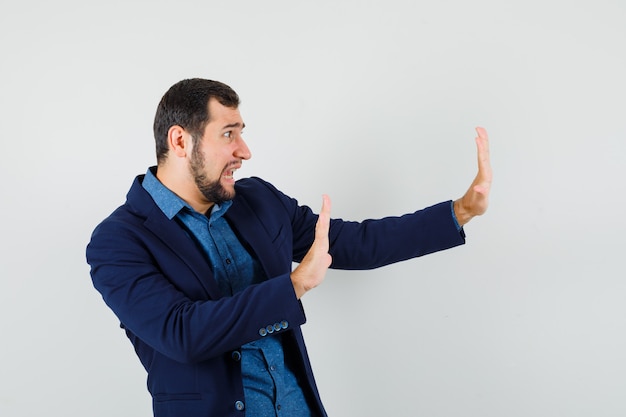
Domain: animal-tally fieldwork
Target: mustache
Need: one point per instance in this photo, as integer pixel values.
(232, 165)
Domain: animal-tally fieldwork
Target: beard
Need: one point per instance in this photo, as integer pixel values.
(213, 191)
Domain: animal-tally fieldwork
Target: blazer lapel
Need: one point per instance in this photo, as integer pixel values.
(244, 221)
(176, 239)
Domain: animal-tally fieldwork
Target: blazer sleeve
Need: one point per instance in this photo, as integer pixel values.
(142, 281)
(374, 243)
(378, 242)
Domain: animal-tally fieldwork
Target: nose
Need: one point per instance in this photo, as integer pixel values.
(242, 151)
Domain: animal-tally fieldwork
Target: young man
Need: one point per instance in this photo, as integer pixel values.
(198, 266)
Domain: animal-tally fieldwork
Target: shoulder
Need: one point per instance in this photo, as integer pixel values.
(254, 185)
(257, 197)
(255, 190)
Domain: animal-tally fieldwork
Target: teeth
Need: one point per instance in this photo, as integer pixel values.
(230, 173)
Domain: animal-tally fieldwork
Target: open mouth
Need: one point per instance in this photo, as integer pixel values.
(230, 173)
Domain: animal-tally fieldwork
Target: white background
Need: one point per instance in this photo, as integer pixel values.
(374, 103)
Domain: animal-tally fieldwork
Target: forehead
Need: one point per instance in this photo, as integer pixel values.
(221, 115)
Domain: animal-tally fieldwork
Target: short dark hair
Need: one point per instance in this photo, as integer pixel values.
(186, 104)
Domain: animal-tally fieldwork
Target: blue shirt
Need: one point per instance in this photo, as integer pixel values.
(270, 387)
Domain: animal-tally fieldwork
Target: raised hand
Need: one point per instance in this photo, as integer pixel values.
(476, 199)
(312, 270)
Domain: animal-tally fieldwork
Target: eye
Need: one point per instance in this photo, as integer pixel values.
(228, 134)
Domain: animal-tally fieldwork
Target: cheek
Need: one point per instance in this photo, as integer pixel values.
(215, 164)
(216, 158)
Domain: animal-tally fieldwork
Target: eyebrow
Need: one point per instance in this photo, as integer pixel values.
(230, 126)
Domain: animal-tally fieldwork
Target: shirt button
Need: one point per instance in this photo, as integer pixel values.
(272, 368)
(236, 355)
(278, 407)
(227, 261)
(239, 405)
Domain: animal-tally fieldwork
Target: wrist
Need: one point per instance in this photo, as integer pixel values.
(463, 216)
(298, 288)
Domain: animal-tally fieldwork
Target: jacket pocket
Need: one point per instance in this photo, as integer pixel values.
(180, 405)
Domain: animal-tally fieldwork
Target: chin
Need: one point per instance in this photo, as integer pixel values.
(228, 193)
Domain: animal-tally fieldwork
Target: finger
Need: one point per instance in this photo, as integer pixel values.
(482, 132)
(325, 205)
(482, 140)
(482, 145)
(323, 221)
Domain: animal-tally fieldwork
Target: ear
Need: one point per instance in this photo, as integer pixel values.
(179, 141)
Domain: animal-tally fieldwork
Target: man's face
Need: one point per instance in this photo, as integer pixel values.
(219, 153)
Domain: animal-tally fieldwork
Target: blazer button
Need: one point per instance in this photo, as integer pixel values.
(270, 329)
(277, 326)
(262, 331)
(284, 324)
(236, 355)
(239, 406)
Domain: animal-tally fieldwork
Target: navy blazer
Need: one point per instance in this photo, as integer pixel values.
(186, 333)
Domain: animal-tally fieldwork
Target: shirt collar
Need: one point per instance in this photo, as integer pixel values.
(169, 203)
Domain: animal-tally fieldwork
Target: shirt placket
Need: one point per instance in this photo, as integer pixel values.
(274, 365)
(226, 257)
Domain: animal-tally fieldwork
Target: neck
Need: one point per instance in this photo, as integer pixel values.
(183, 186)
